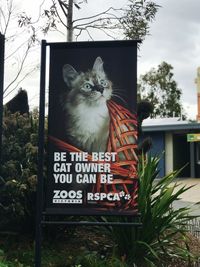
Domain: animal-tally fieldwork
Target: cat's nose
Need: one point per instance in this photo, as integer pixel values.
(99, 88)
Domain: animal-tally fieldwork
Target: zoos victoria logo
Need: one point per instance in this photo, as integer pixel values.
(72, 197)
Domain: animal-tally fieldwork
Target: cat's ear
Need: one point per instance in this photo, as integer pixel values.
(98, 65)
(69, 74)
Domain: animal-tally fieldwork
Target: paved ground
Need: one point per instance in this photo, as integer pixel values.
(191, 196)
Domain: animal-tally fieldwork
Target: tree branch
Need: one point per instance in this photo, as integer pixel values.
(99, 14)
(63, 9)
(21, 80)
(89, 34)
(20, 46)
(40, 12)
(99, 27)
(77, 35)
(109, 35)
(64, 24)
(6, 21)
(99, 20)
(20, 69)
(4, 18)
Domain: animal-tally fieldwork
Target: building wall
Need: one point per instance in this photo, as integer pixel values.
(158, 147)
(168, 152)
(172, 152)
(178, 153)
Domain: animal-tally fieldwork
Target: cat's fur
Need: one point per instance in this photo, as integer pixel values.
(87, 117)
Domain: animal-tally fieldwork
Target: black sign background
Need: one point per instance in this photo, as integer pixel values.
(120, 64)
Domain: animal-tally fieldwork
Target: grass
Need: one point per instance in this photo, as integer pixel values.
(86, 248)
(19, 252)
(64, 251)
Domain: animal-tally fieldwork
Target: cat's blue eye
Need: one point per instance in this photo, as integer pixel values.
(103, 83)
(87, 86)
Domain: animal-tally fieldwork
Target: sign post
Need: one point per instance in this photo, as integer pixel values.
(92, 133)
(40, 180)
(2, 48)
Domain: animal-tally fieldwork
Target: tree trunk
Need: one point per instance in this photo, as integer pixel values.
(70, 22)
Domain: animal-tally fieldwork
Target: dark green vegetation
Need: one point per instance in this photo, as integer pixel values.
(159, 87)
(162, 237)
(18, 172)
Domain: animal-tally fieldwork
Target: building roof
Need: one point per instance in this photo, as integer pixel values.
(168, 124)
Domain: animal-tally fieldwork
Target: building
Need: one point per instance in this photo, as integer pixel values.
(170, 142)
(169, 138)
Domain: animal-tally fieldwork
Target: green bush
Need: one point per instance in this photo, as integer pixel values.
(18, 171)
(3, 262)
(93, 260)
(163, 233)
(18, 178)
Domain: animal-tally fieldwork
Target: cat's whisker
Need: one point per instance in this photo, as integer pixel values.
(119, 92)
(121, 95)
(120, 98)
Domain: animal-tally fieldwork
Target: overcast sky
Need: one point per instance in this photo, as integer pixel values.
(174, 38)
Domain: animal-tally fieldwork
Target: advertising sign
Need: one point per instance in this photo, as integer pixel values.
(92, 129)
(193, 137)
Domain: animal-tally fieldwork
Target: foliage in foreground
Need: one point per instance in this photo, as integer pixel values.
(65, 251)
(93, 260)
(3, 262)
(163, 227)
(18, 171)
(162, 235)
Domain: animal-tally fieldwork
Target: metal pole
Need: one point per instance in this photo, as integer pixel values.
(192, 160)
(2, 50)
(70, 22)
(40, 182)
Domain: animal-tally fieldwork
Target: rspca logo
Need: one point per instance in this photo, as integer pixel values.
(69, 197)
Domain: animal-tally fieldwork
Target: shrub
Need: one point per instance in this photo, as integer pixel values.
(155, 242)
(18, 177)
(18, 171)
(93, 260)
(3, 262)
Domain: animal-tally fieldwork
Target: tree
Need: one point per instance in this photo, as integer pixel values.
(159, 87)
(19, 44)
(131, 22)
(138, 17)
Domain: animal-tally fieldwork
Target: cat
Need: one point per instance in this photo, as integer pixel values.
(87, 116)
